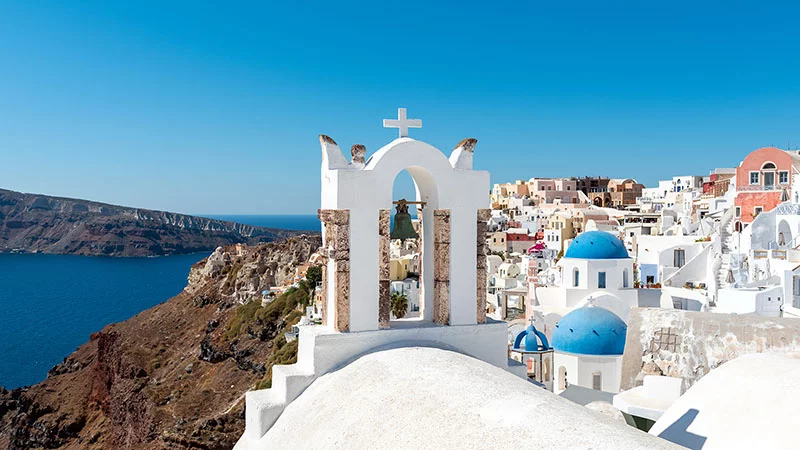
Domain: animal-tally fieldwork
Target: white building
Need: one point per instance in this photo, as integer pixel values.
(658, 257)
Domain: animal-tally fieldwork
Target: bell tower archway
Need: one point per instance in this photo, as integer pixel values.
(356, 208)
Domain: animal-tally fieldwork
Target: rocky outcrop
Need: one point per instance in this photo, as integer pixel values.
(174, 376)
(38, 223)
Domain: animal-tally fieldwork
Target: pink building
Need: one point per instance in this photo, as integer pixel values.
(553, 190)
(760, 180)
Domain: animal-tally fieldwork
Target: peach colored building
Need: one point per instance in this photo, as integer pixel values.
(621, 192)
(761, 178)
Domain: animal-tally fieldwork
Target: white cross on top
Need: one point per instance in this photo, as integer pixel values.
(402, 122)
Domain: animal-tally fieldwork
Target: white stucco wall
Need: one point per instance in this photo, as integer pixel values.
(766, 302)
(581, 368)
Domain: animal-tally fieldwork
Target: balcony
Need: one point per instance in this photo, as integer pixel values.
(758, 187)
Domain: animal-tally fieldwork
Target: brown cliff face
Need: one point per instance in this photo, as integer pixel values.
(38, 223)
(173, 376)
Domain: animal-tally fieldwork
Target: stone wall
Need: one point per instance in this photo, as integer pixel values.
(689, 344)
(441, 266)
(324, 290)
(384, 277)
(337, 241)
(480, 289)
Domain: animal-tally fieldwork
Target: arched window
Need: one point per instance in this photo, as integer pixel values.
(562, 378)
(625, 278)
(576, 277)
(768, 166)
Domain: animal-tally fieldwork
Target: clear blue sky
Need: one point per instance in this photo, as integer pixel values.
(200, 109)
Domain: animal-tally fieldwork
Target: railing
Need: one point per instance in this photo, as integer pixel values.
(779, 254)
(760, 254)
(758, 187)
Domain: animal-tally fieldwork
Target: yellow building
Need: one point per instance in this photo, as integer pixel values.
(399, 268)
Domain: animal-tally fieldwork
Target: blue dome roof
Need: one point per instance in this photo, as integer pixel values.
(596, 245)
(533, 339)
(590, 330)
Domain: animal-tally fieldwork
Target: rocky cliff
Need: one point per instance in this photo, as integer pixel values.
(174, 376)
(38, 223)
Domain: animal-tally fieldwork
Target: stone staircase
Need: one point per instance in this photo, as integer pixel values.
(726, 244)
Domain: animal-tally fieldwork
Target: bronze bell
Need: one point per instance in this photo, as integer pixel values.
(403, 228)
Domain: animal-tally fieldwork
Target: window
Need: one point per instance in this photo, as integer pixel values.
(768, 165)
(597, 381)
(757, 210)
(568, 188)
(651, 279)
(601, 280)
(679, 258)
(576, 276)
(754, 178)
(625, 278)
(738, 211)
(783, 177)
(769, 179)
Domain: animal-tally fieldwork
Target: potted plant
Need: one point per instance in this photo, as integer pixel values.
(399, 304)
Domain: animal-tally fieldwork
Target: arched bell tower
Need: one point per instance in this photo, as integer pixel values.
(355, 211)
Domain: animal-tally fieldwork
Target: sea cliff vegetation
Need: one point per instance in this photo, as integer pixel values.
(173, 376)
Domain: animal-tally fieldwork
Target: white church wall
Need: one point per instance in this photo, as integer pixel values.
(564, 363)
(609, 367)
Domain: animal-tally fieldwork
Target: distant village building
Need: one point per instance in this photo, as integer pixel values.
(559, 231)
(620, 193)
(589, 185)
(716, 184)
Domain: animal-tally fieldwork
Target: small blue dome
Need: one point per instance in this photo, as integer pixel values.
(534, 340)
(596, 245)
(590, 330)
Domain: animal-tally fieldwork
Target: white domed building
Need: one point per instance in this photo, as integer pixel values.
(416, 398)
(596, 266)
(588, 344)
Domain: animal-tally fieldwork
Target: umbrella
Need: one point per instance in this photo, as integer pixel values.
(729, 279)
(785, 195)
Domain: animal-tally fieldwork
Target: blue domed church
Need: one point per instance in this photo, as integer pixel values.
(588, 344)
(594, 290)
(596, 265)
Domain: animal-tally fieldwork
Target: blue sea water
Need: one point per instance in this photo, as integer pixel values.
(50, 304)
